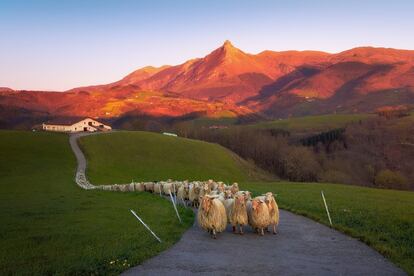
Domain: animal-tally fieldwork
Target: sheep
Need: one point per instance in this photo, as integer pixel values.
(211, 215)
(178, 185)
(220, 197)
(194, 194)
(211, 184)
(167, 188)
(158, 188)
(171, 187)
(123, 188)
(247, 194)
(220, 187)
(131, 187)
(107, 188)
(234, 188)
(228, 194)
(258, 215)
(205, 190)
(273, 211)
(139, 187)
(183, 193)
(228, 205)
(149, 187)
(239, 213)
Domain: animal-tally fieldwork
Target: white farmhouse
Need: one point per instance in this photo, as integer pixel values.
(75, 125)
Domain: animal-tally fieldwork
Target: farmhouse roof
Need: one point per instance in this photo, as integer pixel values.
(66, 121)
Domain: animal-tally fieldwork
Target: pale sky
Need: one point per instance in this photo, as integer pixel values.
(58, 45)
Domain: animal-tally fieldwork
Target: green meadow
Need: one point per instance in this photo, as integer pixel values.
(314, 123)
(121, 157)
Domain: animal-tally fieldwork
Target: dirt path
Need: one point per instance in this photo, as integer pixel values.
(302, 247)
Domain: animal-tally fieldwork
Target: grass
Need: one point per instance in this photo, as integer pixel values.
(384, 219)
(120, 157)
(50, 226)
(315, 123)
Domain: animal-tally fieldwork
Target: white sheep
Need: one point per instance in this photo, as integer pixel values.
(194, 194)
(228, 205)
(149, 187)
(183, 193)
(238, 215)
(211, 215)
(158, 188)
(273, 211)
(258, 214)
(139, 187)
(234, 188)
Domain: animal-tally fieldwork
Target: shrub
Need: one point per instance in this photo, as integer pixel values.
(389, 179)
(301, 165)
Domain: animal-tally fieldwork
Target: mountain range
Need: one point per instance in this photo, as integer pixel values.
(229, 82)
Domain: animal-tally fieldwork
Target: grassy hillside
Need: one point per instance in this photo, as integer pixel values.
(384, 219)
(315, 123)
(120, 157)
(50, 226)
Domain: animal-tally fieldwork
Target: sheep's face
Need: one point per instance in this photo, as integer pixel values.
(206, 203)
(241, 200)
(255, 204)
(228, 194)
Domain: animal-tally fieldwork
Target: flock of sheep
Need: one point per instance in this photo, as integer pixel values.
(219, 204)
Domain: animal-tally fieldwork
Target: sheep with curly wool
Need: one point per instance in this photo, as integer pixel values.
(234, 188)
(247, 194)
(273, 211)
(259, 218)
(211, 215)
(238, 216)
(183, 193)
(205, 189)
(228, 205)
(193, 194)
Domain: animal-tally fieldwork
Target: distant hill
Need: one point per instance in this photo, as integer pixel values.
(231, 83)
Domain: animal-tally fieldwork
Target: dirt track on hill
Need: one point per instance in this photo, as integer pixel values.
(302, 247)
